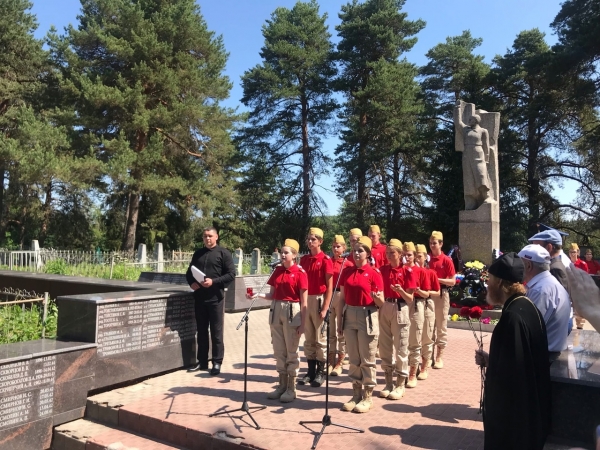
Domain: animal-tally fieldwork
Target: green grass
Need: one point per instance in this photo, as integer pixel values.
(19, 323)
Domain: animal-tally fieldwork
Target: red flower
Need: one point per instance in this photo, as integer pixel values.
(475, 312)
(464, 311)
(454, 305)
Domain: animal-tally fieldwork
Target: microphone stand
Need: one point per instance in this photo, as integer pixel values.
(245, 408)
(326, 420)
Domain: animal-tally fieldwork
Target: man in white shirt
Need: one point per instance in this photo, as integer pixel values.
(548, 295)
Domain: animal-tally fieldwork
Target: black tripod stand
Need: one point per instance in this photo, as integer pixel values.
(245, 408)
(326, 420)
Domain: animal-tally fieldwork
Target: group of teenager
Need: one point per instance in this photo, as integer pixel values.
(367, 297)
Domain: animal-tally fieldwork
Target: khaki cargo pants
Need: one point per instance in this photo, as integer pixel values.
(336, 342)
(315, 338)
(394, 322)
(361, 329)
(417, 318)
(428, 326)
(442, 306)
(284, 319)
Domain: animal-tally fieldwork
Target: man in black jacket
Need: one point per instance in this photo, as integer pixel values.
(217, 265)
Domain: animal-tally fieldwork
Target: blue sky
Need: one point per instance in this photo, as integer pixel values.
(239, 21)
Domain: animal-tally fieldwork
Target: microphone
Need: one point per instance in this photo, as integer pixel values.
(275, 264)
(345, 255)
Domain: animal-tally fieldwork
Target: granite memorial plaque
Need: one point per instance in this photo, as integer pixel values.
(46, 384)
(138, 333)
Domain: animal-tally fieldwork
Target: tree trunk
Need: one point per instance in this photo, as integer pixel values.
(361, 172)
(533, 180)
(133, 198)
(47, 210)
(2, 179)
(396, 194)
(133, 210)
(306, 168)
(23, 218)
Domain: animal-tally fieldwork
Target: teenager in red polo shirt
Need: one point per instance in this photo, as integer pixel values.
(394, 322)
(336, 358)
(416, 313)
(361, 293)
(288, 293)
(444, 267)
(377, 248)
(319, 270)
(592, 264)
(429, 286)
(574, 256)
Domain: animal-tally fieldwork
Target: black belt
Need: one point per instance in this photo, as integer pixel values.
(395, 300)
(421, 298)
(337, 290)
(445, 288)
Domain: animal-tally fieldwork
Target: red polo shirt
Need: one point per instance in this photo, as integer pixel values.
(358, 284)
(316, 268)
(408, 279)
(424, 282)
(442, 265)
(391, 275)
(434, 282)
(581, 264)
(288, 283)
(412, 276)
(378, 254)
(593, 266)
(337, 268)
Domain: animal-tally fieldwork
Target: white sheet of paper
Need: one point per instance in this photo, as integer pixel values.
(198, 274)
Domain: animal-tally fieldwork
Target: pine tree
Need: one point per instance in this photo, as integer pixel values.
(544, 117)
(146, 79)
(372, 35)
(290, 97)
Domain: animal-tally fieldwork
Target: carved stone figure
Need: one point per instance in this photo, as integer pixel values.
(477, 142)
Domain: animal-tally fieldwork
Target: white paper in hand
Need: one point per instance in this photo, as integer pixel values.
(198, 274)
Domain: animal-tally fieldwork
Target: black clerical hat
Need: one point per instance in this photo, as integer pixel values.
(508, 267)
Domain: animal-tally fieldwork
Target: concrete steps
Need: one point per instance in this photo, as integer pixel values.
(109, 423)
(84, 434)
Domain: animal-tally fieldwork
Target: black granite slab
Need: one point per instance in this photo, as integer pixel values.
(139, 333)
(27, 436)
(57, 285)
(44, 381)
(163, 277)
(575, 379)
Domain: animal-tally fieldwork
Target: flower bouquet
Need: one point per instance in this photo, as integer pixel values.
(471, 287)
(470, 314)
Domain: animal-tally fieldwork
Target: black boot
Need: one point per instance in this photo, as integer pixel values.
(319, 375)
(310, 375)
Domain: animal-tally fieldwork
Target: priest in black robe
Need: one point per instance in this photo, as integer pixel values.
(516, 406)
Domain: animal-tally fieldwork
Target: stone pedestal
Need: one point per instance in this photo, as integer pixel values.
(479, 233)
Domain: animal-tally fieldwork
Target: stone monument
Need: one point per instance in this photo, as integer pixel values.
(477, 139)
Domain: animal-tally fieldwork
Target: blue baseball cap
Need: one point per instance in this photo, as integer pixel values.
(551, 236)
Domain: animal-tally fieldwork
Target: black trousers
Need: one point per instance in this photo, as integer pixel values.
(210, 313)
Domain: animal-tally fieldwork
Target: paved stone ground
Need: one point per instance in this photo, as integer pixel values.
(441, 413)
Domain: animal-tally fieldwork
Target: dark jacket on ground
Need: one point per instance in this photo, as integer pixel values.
(516, 412)
(217, 264)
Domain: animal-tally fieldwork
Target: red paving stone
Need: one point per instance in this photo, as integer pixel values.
(441, 413)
